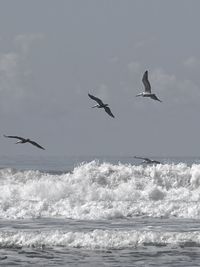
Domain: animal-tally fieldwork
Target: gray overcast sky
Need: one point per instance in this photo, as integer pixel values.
(52, 53)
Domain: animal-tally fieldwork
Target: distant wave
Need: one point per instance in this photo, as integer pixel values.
(98, 239)
(102, 191)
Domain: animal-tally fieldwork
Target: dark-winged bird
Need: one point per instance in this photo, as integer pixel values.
(147, 87)
(24, 140)
(101, 105)
(148, 161)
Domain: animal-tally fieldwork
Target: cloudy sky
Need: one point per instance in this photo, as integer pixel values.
(52, 53)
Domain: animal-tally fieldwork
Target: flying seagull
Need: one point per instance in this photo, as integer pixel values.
(23, 140)
(147, 86)
(101, 105)
(148, 161)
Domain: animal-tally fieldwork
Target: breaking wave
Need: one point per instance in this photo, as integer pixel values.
(95, 191)
(98, 239)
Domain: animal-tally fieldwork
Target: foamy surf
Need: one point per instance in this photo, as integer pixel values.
(102, 191)
(98, 239)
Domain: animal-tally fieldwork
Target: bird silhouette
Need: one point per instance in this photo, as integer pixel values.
(148, 161)
(101, 105)
(24, 140)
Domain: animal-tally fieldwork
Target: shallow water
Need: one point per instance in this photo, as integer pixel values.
(135, 242)
(99, 213)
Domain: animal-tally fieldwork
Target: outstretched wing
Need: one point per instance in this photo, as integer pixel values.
(153, 96)
(146, 82)
(96, 99)
(146, 159)
(156, 162)
(36, 144)
(107, 109)
(13, 136)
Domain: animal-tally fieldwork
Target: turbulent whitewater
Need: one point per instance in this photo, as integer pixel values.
(98, 239)
(98, 191)
(99, 212)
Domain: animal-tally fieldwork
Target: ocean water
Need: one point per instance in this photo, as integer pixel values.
(99, 211)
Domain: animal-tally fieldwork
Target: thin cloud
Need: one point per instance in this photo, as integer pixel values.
(9, 73)
(114, 59)
(102, 91)
(25, 41)
(8, 64)
(181, 90)
(140, 44)
(15, 73)
(191, 63)
(162, 80)
(134, 67)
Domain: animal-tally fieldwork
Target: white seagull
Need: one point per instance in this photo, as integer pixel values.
(147, 86)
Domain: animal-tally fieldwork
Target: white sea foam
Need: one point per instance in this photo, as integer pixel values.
(102, 191)
(98, 239)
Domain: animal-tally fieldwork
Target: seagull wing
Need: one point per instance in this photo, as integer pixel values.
(156, 161)
(13, 136)
(146, 82)
(36, 144)
(146, 159)
(96, 99)
(153, 96)
(107, 109)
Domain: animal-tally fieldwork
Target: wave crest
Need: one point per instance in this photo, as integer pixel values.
(98, 239)
(102, 191)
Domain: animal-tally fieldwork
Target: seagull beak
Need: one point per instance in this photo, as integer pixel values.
(138, 95)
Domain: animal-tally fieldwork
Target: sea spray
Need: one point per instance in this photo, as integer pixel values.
(102, 191)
